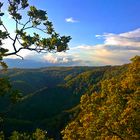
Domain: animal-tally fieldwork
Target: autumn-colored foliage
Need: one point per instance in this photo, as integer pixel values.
(111, 114)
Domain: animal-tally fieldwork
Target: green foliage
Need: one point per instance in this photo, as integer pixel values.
(3, 65)
(19, 136)
(46, 101)
(37, 135)
(85, 82)
(5, 86)
(113, 113)
(15, 96)
(1, 136)
(6, 89)
(37, 21)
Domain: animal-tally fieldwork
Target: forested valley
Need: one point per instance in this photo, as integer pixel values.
(73, 103)
(77, 99)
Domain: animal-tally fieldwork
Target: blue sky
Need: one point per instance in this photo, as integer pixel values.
(94, 16)
(104, 32)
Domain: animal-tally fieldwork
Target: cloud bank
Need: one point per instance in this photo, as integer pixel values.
(116, 49)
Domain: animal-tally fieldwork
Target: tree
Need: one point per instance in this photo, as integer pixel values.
(27, 35)
(37, 21)
(113, 113)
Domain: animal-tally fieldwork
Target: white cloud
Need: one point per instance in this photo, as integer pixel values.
(50, 58)
(71, 20)
(127, 39)
(132, 34)
(57, 58)
(116, 49)
(121, 41)
(101, 55)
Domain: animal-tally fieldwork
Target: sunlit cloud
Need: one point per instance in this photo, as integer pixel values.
(115, 50)
(57, 58)
(71, 20)
(128, 39)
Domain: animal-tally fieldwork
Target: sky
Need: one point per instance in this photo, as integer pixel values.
(104, 32)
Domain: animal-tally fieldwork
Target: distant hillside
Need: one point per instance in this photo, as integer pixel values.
(48, 94)
(112, 111)
(30, 63)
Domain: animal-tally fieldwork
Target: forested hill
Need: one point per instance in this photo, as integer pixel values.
(113, 112)
(51, 96)
(31, 80)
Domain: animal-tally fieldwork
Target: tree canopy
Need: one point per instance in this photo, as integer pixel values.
(27, 31)
(34, 32)
(111, 114)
